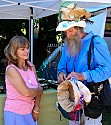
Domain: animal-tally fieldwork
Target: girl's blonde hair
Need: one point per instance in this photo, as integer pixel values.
(11, 49)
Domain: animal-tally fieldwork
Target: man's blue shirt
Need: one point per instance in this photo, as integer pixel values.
(100, 60)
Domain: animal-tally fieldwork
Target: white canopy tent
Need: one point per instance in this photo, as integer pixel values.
(32, 9)
(24, 9)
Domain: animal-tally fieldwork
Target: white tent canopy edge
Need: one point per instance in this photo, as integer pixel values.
(21, 9)
(91, 1)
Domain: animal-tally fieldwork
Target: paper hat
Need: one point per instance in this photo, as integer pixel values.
(65, 25)
(70, 12)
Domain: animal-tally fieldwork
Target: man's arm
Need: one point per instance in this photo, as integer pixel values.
(61, 70)
(101, 60)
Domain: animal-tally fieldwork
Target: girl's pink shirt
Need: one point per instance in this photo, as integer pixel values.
(15, 102)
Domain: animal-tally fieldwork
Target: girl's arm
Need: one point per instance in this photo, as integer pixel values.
(17, 81)
(36, 109)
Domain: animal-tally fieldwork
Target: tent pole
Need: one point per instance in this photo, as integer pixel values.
(29, 36)
(31, 33)
(32, 40)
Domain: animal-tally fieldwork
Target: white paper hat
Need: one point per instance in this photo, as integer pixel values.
(65, 25)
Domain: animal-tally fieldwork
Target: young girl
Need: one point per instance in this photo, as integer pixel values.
(23, 91)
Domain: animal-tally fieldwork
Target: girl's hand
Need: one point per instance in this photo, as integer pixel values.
(35, 115)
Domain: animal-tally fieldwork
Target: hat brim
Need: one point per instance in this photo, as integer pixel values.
(65, 25)
(69, 94)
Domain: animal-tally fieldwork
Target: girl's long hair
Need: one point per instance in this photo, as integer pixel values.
(11, 49)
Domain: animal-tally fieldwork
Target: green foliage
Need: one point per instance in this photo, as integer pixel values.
(8, 29)
(47, 34)
(48, 28)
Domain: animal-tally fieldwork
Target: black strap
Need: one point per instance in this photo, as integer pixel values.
(91, 48)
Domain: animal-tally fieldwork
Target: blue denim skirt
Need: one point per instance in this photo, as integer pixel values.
(11, 118)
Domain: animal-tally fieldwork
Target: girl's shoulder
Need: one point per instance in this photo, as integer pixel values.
(30, 63)
(12, 69)
(11, 66)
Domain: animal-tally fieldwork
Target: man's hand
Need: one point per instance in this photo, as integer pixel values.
(76, 75)
(61, 77)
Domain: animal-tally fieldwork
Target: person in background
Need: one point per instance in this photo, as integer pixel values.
(23, 91)
(73, 62)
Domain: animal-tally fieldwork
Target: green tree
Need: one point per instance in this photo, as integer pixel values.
(10, 28)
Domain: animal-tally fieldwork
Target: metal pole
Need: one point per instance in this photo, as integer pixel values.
(31, 33)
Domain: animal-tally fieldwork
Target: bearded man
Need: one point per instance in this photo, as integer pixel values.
(73, 42)
(74, 59)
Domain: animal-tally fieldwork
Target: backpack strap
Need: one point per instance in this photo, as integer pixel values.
(91, 48)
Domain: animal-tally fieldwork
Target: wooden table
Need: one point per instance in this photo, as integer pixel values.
(2, 102)
(48, 114)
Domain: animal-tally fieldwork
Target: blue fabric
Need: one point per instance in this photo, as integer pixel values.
(50, 73)
(100, 61)
(11, 118)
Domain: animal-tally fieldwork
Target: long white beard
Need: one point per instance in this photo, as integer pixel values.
(73, 45)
